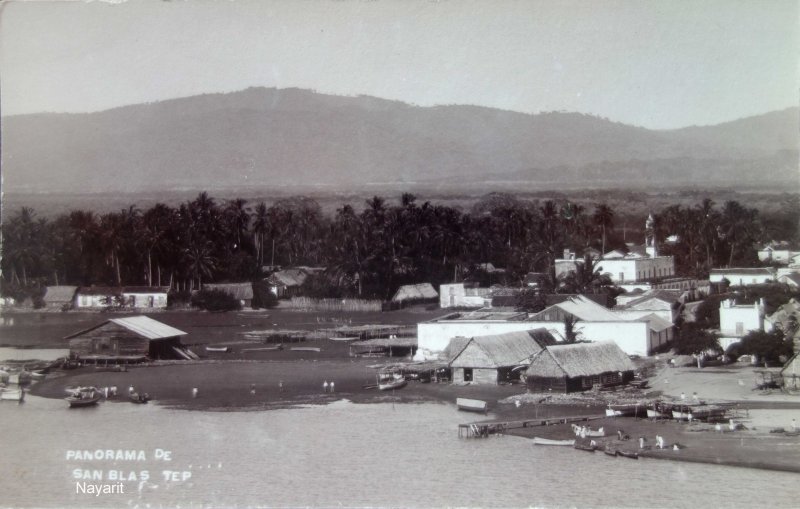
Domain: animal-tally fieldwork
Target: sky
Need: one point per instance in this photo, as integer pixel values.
(658, 64)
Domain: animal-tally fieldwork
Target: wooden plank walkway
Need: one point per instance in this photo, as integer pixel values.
(483, 429)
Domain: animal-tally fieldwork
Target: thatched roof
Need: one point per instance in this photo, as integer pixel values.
(59, 294)
(501, 350)
(288, 278)
(455, 347)
(414, 292)
(580, 359)
(240, 291)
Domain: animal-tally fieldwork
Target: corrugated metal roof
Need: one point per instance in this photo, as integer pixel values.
(662, 295)
(99, 290)
(586, 310)
(656, 322)
(147, 327)
(580, 359)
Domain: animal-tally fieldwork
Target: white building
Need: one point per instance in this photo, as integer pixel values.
(735, 321)
(743, 276)
(662, 303)
(638, 264)
(638, 336)
(778, 252)
(464, 295)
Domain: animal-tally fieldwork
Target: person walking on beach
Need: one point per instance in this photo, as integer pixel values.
(695, 398)
(683, 396)
(253, 389)
(325, 386)
(332, 386)
(280, 385)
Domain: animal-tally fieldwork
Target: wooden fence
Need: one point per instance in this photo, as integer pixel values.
(347, 305)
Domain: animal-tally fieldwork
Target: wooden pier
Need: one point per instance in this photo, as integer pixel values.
(485, 428)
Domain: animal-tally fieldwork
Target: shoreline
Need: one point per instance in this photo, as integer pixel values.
(226, 385)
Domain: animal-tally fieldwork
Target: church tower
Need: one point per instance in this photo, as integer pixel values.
(650, 236)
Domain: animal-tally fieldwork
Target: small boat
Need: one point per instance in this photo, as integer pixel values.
(218, 349)
(262, 349)
(83, 398)
(472, 405)
(139, 399)
(344, 338)
(628, 454)
(623, 410)
(11, 394)
(21, 378)
(391, 381)
(547, 441)
(584, 447)
(37, 375)
(610, 451)
(638, 384)
(306, 349)
(652, 413)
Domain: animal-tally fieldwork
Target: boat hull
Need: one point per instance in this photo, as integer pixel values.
(472, 405)
(547, 441)
(388, 386)
(11, 394)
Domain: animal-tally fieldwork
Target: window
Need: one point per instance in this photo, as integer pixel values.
(467, 374)
(739, 328)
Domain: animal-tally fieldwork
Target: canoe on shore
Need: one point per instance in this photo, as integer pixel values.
(344, 338)
(306, 349)
(218, 349)
(472, 405)
(584, 447)
(548, 441)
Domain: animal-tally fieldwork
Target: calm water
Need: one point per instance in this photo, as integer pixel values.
(340, 455)
(24, 354)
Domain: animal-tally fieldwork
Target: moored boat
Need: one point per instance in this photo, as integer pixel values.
(37, 375)
(217, 349)
(584, 447)
(548, 441)
(11, 394)
(344, 338)
(628, 454)
(390, 381)
(624, 410)
(83, 398)
(139, 399)
(610, 451)
(472, 405)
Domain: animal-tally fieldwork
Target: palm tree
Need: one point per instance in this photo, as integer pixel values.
(586, 278)
(200, 262)
(603, 218)
(261, 225)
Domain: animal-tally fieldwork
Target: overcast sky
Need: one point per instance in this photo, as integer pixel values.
(658, 64)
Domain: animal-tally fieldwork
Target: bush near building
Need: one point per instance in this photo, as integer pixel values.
(215, 300)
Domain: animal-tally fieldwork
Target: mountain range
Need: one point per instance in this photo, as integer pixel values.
(264, 137)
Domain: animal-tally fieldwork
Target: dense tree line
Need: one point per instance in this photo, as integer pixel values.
(367, 252)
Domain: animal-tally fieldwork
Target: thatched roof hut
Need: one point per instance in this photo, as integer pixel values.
(421, 291)
(580, 366)
(491, 359)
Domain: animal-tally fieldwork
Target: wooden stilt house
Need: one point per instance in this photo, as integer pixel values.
(124, 340)
(578, 367)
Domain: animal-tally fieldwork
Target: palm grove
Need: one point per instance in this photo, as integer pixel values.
(367, 253)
